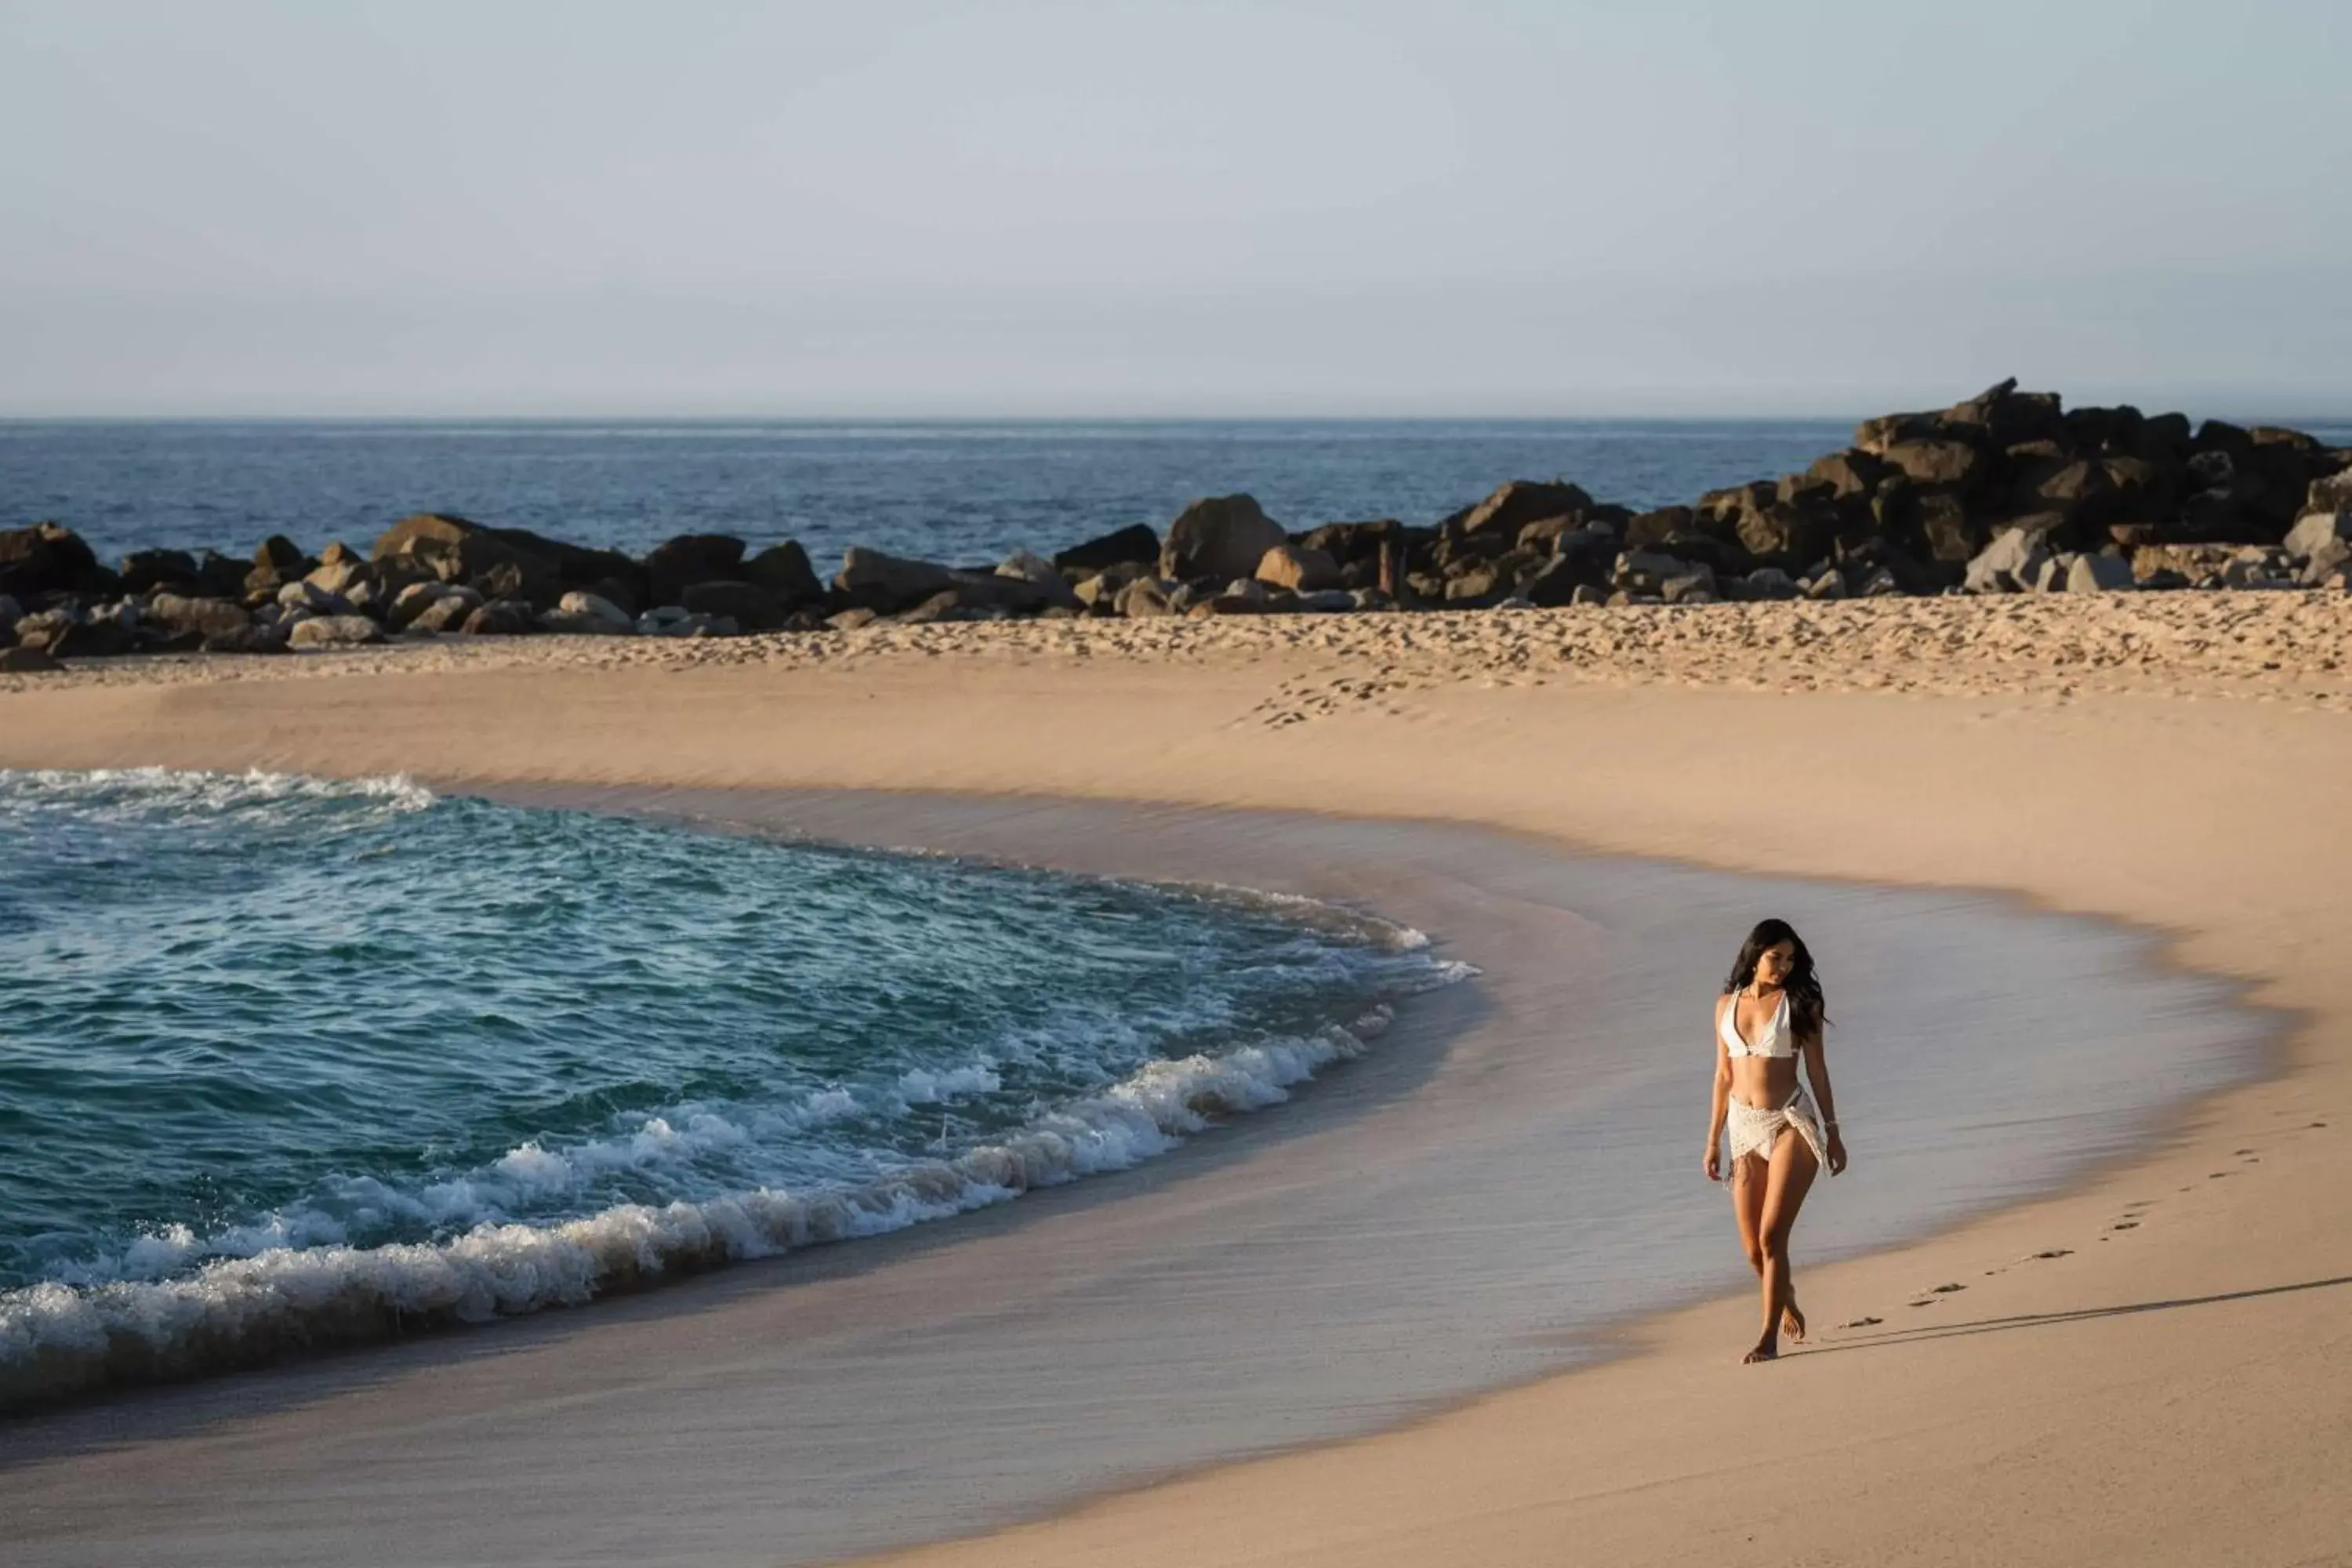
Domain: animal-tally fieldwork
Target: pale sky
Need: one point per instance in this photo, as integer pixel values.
(1701, 206)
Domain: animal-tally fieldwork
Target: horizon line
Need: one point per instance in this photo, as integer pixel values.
(2334, 415)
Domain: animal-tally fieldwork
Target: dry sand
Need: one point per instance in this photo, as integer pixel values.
(2179, 1390)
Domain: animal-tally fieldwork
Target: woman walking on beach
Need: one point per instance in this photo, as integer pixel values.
(1770, 1012)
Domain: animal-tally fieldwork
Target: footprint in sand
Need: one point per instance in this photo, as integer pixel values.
(1925, 1301)
(1861, 1323)
(1947, 1289)
(2125, 1225)
(2055, 1252)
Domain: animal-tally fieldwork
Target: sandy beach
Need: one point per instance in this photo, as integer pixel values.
(2153, 1365)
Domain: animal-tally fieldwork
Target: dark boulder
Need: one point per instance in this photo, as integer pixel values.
(264, 579)
(246, 639)
(1514, 505)
(2145, 489)
(1875, 435)
(1788, 536)
(220, 576)
(47, 559)
(1555, 582)
(1350, 542)
(888, 583)
(207, 618)
(572, 565)
(2225, 513)
(784, 570)
(1583, 560)
(1449, 551)
(1223, 537)
(1725, 505)
(1862, 559)
(1700, 549)
(2001, 416)
(280, 560)
(93, 639)
(671, 565)
(1476, 586)
(1937, 461)
(1543, 534)
(2081, 491)
(750, 605)
(1001, 593)
(1652, 527)
(1590, 553)
(1939, 526)
(502, 619)
(2162, 438)
(1853, 472)
(28, 661)
(1134, 545)
(508, 579)
(145, 570)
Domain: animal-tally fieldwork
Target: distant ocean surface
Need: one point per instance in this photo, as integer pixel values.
(286, 1061)
(965, 493)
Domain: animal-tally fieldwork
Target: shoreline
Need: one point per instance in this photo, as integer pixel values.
(1636, 759)
(1312, 1145)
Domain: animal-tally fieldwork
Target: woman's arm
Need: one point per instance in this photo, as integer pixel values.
(1721, 1105)
(1818, 1070)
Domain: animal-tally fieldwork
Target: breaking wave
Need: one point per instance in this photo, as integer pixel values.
(891, 1041)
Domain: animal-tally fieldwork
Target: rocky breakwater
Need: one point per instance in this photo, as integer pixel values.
(2007, 492)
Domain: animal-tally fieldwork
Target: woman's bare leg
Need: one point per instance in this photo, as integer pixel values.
(1747, 1205)
(1785, 1180)
(1748, 1183)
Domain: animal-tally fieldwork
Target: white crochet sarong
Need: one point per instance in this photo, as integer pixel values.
(1755, 1129)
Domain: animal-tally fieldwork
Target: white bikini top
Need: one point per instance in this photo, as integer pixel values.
(1777, 1039)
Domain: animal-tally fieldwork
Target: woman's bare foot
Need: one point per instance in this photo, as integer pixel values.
(1766, 1349)
(1792, 1323)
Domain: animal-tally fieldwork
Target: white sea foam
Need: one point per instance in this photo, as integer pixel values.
(118, 792)
(56, 1338)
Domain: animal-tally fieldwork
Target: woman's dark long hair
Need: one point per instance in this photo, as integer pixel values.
(1806, 1009)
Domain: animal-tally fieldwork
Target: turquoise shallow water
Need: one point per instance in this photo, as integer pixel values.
(284, 1060)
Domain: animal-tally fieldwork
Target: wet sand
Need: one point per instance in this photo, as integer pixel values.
(2167, 1384)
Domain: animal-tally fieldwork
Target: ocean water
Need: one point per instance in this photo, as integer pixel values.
(959, 492)
(285, 1061)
